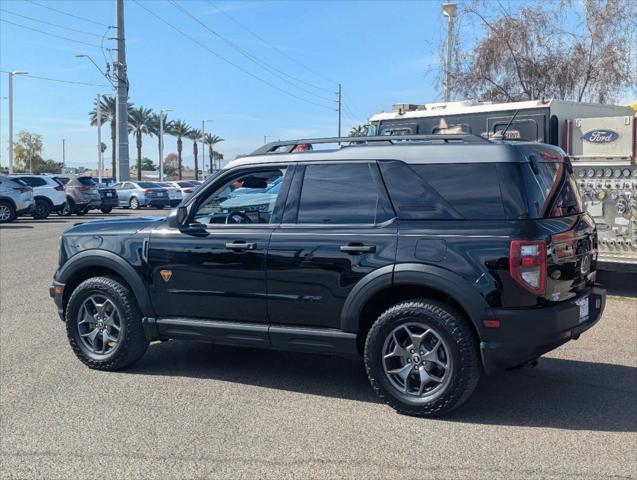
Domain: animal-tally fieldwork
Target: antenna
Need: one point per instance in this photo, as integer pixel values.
(509, 124)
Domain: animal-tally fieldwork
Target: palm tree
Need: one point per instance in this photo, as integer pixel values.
(195, 136)
(108, 108)
(139, 121)
(179, 129)
(154, 130)
(211, 140)
(358, 131)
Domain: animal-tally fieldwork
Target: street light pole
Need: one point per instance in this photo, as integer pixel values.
(161, 142)
(63, 152)
(11, 75)
(450, 11)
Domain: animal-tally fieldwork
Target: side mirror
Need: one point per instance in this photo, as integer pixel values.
(177, 217)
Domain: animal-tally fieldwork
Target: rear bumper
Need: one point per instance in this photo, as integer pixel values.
(164, 202)
(526, 334)
(109, 203)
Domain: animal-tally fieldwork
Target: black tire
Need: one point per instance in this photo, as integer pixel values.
(106, 210)
(464, 367)
(41, 210)
(133, 203)
(133, 342)
(7, 212)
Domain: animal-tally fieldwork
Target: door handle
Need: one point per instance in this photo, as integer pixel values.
(241, 245)
(355, 249)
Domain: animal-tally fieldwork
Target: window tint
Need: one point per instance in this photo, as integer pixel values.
(341, 194)
(473, 190)
(87, 181)
(33, 181)
(247, 198)
(412, 197)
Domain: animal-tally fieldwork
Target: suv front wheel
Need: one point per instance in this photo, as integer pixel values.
(422, 358)
(104, 324)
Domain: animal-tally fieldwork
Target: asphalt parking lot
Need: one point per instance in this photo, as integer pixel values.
(191, 410)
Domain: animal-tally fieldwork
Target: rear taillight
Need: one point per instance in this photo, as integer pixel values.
(24, 189)
(83, 188)
(59, 188)
(527, 264)
(187, 190)
(149, 192)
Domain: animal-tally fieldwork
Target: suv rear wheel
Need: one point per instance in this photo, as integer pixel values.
(422, 358)
(41, 210)
(104, 324)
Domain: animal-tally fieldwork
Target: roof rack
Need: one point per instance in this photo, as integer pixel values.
(287, 146)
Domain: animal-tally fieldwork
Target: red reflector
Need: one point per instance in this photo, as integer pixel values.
(491, 323)
(568, 334)
(529, 261)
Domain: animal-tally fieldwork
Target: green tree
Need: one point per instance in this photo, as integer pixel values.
(148, 165)
(139, 121)
(26, 148)
(46, 166)
(179, 129)
(211, 140)
(195, 136)
(358, 131)
(108, 107)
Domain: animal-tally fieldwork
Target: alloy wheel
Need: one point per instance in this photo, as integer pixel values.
(417, 360)
(99, 324)
(5, 213)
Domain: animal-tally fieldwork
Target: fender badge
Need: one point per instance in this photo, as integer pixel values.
(166, 274)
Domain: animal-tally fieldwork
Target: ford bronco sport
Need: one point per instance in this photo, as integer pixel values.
(434, 257)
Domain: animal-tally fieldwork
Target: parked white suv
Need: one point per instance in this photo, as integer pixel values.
(48, 194)
(15, 198)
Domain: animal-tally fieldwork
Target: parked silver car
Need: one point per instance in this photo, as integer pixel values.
(174, 193)
(16, 198)
(141, 194)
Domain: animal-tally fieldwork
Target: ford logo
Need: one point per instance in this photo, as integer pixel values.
(600, 136)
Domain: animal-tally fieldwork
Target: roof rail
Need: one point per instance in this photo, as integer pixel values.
(289, 145)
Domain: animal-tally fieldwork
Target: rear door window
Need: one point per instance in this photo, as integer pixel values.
(341, 194)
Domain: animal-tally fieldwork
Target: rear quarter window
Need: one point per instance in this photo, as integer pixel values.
(468, 191)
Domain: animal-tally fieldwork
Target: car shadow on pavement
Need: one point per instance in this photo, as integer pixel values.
(558, 393)
(618, 283)
(13, 226)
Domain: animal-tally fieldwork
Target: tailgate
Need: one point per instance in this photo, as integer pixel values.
(572, 256)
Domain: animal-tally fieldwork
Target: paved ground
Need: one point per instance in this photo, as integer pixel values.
(198, 411)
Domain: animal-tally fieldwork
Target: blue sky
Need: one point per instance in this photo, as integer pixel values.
(379, 51)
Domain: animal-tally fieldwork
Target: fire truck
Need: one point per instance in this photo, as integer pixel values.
(600, 140)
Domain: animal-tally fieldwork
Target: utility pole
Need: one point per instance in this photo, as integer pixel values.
(450, 11)
(63, 152)
(123, 163)
(11, 75)
(339, 110)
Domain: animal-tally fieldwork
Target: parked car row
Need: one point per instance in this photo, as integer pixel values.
(79, 195)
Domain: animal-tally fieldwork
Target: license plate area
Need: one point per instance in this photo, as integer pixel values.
(584, 309)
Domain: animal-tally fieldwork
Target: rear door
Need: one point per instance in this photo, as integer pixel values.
(338, 226)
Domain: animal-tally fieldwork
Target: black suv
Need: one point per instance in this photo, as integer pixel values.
(434, 257)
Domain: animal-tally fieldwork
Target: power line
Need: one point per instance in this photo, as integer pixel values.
(259, 37)
(274, 71)
(60, 80)
(49, 34)
(238, 67)
(49, 23)
(68, 14)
